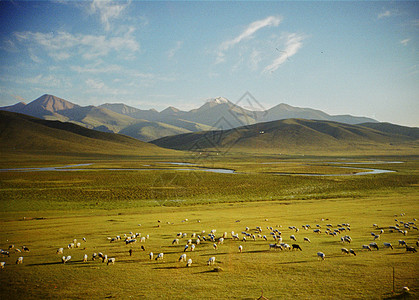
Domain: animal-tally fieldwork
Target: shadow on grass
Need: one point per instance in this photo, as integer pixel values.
(403, 295)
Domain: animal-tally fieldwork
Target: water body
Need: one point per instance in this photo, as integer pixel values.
(69, 168)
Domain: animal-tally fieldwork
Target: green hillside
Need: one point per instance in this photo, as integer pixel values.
(24, 134)
(299, 136)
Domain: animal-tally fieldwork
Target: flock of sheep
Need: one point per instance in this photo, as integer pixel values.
(275, 238)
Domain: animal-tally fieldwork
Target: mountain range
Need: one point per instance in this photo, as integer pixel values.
(147, 125)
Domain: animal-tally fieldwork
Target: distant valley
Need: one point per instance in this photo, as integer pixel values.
(147, 125)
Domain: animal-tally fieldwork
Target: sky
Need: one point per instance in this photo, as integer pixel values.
(341, 57)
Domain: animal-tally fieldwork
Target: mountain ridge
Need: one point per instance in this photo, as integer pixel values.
(215, 113)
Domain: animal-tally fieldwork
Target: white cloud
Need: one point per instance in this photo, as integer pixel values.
(248, 33)
(405, 42)
(171, 53)
(384, 14)
(292, 45)
(63, 45)
(95, 84)
(108, 10)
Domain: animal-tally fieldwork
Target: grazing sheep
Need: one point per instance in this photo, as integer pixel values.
(60, 251)
(182, 257)
(215, 246)
(11, 247)
(192, 247)
(17, 250)
(321, 255)
(70, 246)
(63, 259)
(175, 241)
(105, 258)
(240, 248)
(211, 261)
(410, 249)
(19, 260)
(160, 256)
(111, 261)
(221, 240)
(317, 231)
(292, 237)
(84, 239)
(297, 247)
(306, 239)
(150, 255)
(2, 264)
(376, 237)
(94, 255)
(186, 248)
(85, 258)
(344, 250)
(366, 247)
(4, 252)
(142, 248)
(352, 252)
(26, 249)
(388, 245)
(374, 246)
(189, 263)
(402, 243)
(66, 259)
(142, 240)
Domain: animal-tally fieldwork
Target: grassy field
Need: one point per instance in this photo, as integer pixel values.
(47, 210)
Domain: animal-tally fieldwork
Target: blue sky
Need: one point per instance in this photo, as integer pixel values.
(358, 58)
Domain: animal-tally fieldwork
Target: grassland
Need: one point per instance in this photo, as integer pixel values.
(47, 210)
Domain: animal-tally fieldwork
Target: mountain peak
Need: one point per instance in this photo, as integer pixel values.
(218, 100)
(51, 103)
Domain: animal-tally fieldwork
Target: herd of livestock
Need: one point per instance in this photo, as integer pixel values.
(277, 238)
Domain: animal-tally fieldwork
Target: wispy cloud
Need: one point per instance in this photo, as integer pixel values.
(248, 33)
(108, 10)
(62, 45)
(171, 53)
(405, 42)
(293, 43)
(384, 14)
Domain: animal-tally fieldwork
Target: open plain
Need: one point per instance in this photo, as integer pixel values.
(160, 198)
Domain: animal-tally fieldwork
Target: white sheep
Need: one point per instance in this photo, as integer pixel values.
(111, 261)
(66, 259)
(78, 245)
(94, 255)
(292, 237)
(85, 258)
(2, 264)
(182, 257)
(105, 258)
(221, 240)
(352, 252)
(142, 240)
(186, 248)
(192, 247)
(321, 255)
(306, 239)
(19, 260)
(214, 246)
(198, 241)
(70, 246)
(175, 241)
(211, 261)
(160, 256)
(60, 250)
(151, 255)
(344, 250)
(240, 248)
(189, 263)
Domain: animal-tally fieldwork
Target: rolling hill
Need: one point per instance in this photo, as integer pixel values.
(300, 136)
(146, 125)
(25, 134)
